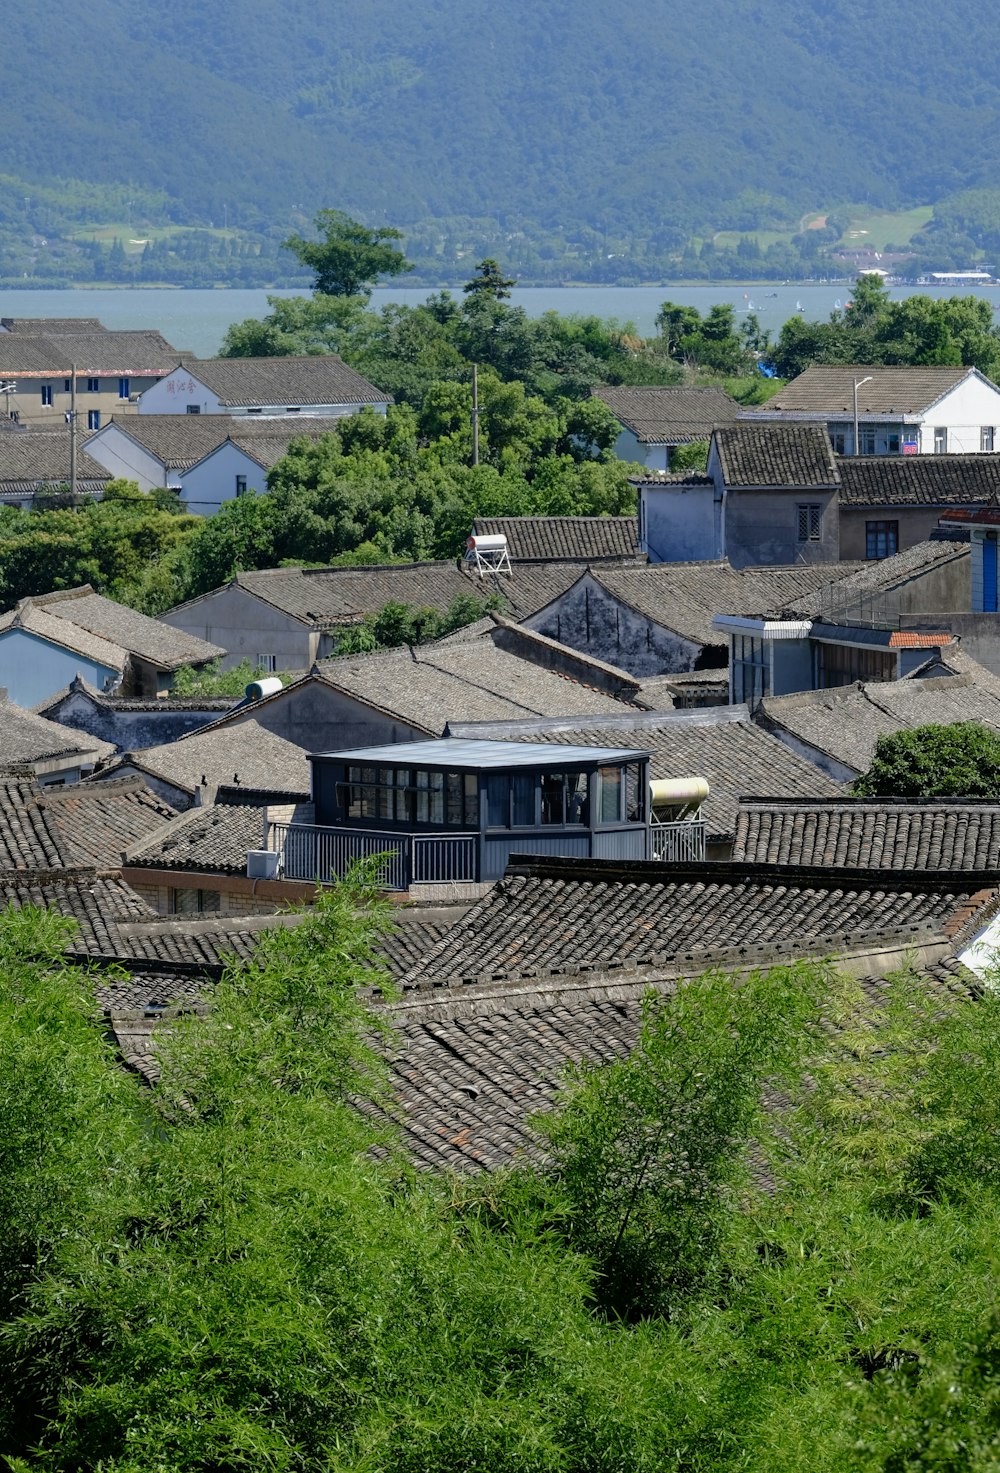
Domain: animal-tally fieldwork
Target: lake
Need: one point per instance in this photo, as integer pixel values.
(196, 321)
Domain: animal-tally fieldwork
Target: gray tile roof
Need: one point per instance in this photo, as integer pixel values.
(469, 1074)
(82, 611)
(668, 415)
(139, 354)
(919, 480)
(49, 326)
(27, 738)
(575, 917)
(719, 743)
(32, 458)
(461, 681)
(570, 539)
(685, 597)
(248, 755)
(75, 826)
(319, 379)
(866, 833)
(213, 839)
(826, 390)
(180, 441)
(754, 456)
(845, 723)
(329, 597)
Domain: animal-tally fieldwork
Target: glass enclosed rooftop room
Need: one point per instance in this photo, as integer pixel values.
(498, 798)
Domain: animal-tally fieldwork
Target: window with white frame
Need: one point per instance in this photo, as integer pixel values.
(46, 396)
(986, 439)
(93, 419)
(941, 440)
(809, 516)
(124, 388)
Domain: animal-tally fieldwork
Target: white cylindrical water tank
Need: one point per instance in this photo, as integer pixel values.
(258, 689)
(671, 792)
(493, 542)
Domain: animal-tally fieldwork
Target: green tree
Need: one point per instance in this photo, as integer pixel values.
(490, 282)
(957, 761)
(349, 258)
(647, 1149)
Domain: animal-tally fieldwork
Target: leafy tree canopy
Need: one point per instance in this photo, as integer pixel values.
(349, 258)
(957, 761)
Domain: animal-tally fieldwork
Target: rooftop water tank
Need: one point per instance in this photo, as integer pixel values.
(258, 689)
(492, 542)
(676, 792)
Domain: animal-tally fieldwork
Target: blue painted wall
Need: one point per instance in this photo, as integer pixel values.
(32, 669)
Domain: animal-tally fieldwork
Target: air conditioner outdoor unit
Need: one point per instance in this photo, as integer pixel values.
(263, 864)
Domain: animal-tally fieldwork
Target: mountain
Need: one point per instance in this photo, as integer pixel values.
(564, 114)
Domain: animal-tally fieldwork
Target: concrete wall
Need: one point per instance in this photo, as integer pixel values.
(680, 524)
(916, 523)
(761, 528)
(546, 653)
(587, 618)
(979, 633)
(130, 731)
(319, 719)
(177, 797)
(32, 669)
(247, 627)
(36, 415)
(212, 481)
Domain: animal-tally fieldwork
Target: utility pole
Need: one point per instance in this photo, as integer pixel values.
(475, 414)
(72, 435)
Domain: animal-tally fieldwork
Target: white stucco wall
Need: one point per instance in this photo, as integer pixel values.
(246, 627)
(173, 394)
(32, 669)
(964, 412)
(680, 524)
(653, 457)
(213, 480)
(121, 456)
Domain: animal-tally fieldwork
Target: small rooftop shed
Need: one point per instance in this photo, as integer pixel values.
(455, 810)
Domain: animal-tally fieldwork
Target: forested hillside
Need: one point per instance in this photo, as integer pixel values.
(570, 117)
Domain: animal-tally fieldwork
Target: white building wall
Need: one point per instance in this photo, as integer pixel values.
(680, 524)
(964, 412)
(653, 457)
(121, 456)
(180, 389)
(212, 481)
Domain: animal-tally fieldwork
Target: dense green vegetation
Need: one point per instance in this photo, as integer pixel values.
(218, 1273)
(958, 761)
(873, 329)
(569, 144)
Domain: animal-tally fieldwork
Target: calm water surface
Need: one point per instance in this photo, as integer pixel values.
(196, 321)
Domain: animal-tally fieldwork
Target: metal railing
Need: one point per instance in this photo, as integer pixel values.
(311, 852)
(679, 843)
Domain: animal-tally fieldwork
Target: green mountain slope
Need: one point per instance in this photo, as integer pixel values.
(564, 113)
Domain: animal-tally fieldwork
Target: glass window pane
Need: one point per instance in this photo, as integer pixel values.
(524, 800)
(577, 808)
(436, 796)
(497, 800)
(611, 801)
(635, 798)
(552, 797)
(472, 799)
(454, 806)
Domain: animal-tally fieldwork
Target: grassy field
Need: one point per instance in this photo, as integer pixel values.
(868, 227)
(134, 237)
